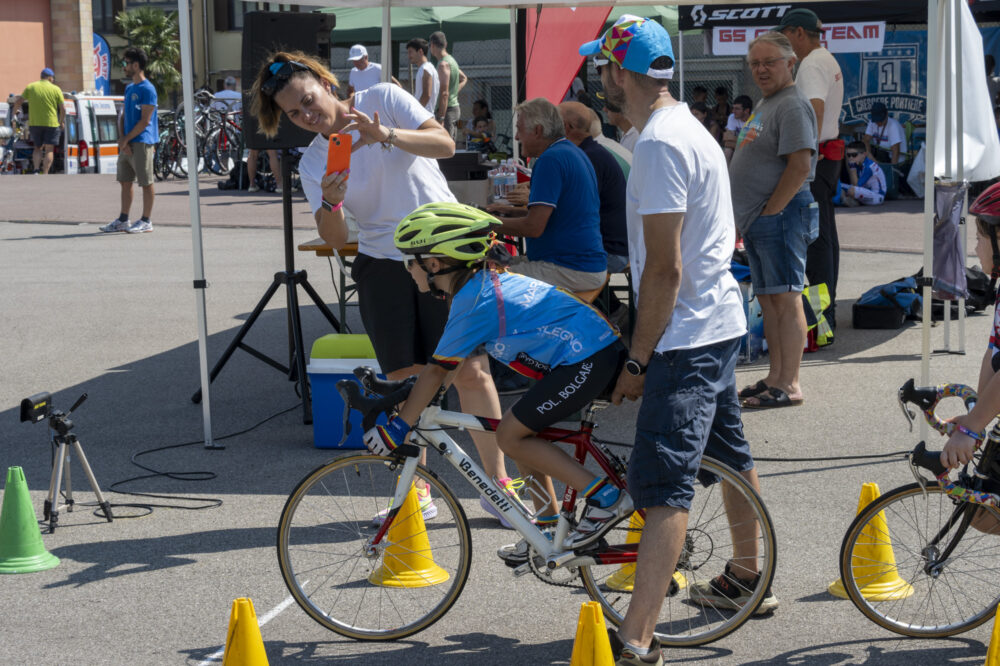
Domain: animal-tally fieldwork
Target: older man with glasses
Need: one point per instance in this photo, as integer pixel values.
(774, 162)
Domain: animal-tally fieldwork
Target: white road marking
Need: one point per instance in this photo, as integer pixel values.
(216, 656)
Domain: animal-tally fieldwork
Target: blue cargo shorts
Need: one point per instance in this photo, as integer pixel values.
(776, 246)
(689, 408)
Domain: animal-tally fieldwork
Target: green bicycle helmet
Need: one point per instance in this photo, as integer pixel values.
(446, 229)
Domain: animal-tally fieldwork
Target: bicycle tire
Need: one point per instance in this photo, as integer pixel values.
(222, 150)
(911, 517)
(322, 534)
(708, 546)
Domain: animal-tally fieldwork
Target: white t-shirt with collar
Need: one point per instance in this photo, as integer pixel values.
(363, 79)
(629, 138)
(385, 185)
(677, 167)
(819, 77)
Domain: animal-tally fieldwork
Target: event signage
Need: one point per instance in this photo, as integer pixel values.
(102, 65)
(894, 75)
(708, 16)
(837, 37)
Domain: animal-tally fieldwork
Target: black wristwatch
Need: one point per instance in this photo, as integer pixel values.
(634, 368)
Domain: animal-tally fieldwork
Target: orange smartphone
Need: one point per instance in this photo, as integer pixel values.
(338, 157)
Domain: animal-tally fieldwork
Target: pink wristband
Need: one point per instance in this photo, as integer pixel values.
(330, 207)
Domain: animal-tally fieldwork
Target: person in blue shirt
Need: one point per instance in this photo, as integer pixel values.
(138, 134)
(867, 186)
(534, 328)
(562, 221)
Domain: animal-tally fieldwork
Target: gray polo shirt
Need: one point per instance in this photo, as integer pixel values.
(780, 125)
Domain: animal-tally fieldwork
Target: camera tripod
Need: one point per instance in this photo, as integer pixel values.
(64, 441)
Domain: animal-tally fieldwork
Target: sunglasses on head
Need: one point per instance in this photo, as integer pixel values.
(280, 73)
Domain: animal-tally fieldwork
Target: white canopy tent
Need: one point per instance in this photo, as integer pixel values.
(948, 152)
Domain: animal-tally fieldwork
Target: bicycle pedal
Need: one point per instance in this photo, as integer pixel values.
(522, 570)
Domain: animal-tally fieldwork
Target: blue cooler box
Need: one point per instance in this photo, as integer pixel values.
(326, 368)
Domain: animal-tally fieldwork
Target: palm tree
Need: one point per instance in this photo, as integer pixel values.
(156, 33)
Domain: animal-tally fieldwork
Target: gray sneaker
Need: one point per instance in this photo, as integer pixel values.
(624, 656)
(116, 226)
(141, 227)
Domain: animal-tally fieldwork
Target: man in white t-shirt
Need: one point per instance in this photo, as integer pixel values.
(229, 98)
(887, 135)
(427, 83)
(365, 73)
(821, 81)
(689, 323)
(742, 107)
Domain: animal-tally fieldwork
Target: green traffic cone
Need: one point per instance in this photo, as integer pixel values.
(21, 547)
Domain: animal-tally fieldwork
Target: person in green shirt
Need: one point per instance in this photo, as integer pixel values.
(46, 114)
(452, 80)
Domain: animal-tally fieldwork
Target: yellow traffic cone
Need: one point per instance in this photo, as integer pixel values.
(592, 646)
(623, 580)
(873, 563)
(993, 653)
(244, 646)
(408, 561)
(21, 547)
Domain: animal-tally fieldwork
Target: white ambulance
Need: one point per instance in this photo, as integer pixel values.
(90, 137)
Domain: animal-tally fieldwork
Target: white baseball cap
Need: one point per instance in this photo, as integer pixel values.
(357, 52)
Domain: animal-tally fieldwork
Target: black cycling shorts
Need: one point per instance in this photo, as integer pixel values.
(570, 388)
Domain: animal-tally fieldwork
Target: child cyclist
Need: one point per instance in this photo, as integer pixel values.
(971, 429)
(533, 327)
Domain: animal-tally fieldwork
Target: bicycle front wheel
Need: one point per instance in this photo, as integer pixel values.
(745, 537)
(896, 568)
(395, 589)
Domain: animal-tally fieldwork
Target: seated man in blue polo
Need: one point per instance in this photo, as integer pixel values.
(562, 221)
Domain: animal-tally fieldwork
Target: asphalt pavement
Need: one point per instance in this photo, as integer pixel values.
(114, 316)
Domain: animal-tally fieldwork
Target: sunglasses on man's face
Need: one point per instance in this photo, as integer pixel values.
(126, 63)
(280, 73)
(853, 154)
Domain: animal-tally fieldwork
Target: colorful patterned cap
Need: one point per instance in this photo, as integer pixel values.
(633, 43)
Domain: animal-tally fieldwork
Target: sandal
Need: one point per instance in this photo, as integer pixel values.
(772, 399)
(755, 390)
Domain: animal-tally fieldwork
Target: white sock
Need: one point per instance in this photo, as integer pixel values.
(641, 652)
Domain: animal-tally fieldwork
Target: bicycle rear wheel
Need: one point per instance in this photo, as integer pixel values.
(890, 555)
(421, 564)
(709, 545)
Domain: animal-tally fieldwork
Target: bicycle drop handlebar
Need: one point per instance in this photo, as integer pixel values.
(385, 396)
(926, 398)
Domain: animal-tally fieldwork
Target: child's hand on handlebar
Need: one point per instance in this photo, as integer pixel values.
(960, 447)
(384, 440)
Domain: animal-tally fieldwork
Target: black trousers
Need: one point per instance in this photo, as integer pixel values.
(823, 255)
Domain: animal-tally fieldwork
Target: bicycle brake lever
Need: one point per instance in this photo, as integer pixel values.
(910, 416)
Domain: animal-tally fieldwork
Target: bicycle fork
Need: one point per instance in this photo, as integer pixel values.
(403, 483)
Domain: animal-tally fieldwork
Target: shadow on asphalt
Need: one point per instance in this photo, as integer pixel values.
(884, 651)
(463, 649)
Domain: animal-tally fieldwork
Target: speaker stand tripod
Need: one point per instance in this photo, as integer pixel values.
(291, 279)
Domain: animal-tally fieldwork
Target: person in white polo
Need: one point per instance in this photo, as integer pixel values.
(365, 73)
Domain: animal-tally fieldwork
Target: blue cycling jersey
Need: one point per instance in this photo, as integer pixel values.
(533, 327)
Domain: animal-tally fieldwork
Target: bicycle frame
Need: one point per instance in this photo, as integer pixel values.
(551, 550)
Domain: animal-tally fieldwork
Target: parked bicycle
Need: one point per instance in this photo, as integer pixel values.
(371, 581)
(923, 559)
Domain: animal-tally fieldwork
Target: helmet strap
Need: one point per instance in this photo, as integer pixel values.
(995, 273)
(436, 291)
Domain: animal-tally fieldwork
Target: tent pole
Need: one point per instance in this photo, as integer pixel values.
(513, 76)
(949, 112)
(933, 81)
(387, 54)
(187, 70)
(680, 63)
(960, 162)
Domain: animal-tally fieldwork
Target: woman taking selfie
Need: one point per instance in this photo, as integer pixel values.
(393, 170)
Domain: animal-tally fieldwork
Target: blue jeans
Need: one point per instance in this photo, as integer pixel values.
(689, 408)
(776, 246)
